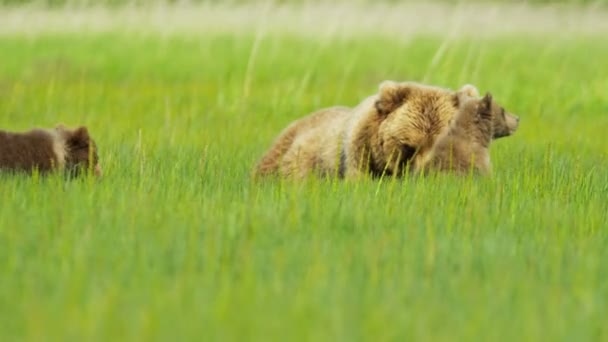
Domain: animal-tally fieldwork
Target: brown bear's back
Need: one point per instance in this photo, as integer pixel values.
(302, 137)
(27, 151)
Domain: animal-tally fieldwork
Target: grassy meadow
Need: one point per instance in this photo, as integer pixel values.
(176, 242)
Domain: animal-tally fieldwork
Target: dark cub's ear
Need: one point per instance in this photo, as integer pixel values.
(485, 106)
(79, 137)
(391, 96)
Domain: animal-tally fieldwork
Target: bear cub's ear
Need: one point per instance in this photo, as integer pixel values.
(485, 106)
(79, 138)
(391, 96)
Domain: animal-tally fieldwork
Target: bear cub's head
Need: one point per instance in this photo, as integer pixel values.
(81, 151)
(505, 123)
(475, 121)
(464, 146)
(392, 95)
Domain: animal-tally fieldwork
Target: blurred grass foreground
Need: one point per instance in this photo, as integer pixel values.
(176, 242)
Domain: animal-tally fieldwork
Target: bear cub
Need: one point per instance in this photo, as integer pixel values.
(70, 150)
(465, 145)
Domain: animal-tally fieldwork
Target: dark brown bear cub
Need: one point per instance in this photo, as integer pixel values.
(46, 150)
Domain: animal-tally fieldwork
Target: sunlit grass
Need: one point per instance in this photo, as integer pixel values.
(176, 242)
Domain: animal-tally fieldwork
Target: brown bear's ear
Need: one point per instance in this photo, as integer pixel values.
(485, 106)
(456, 100)
(80, 137)
(469, 90)
(391, 96)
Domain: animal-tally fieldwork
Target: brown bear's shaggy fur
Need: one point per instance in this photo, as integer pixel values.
(379, 136)
(311, 143)
(49, 149)
(464, 147)
(382, 138)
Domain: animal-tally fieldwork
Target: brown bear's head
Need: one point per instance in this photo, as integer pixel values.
(409, 115)
(391, 96)
(468, 90)
(505, 123)
(81, 151)
(476, 118)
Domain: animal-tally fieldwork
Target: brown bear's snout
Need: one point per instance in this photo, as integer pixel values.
(98, 172)
(512, 123)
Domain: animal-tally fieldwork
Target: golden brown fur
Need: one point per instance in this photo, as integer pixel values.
(384, 137)
(464, 147)
(379, 136)
(46, 150)
(311, 143)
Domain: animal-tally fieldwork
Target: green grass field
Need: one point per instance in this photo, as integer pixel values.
(176, 242)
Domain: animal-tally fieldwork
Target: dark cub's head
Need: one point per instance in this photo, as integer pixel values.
(80, 151)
